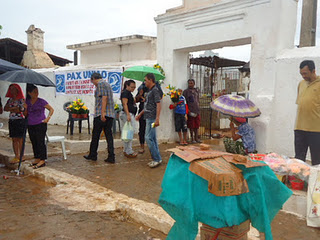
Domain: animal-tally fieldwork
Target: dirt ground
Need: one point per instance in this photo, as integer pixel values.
(25, 214)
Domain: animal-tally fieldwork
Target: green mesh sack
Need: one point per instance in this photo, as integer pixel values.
(186, 199)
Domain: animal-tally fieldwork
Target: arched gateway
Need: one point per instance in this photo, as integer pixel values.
(268, 25)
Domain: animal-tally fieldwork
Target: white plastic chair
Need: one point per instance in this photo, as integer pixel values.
(57, 139)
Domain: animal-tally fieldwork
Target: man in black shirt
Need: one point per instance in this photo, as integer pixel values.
(128, 114)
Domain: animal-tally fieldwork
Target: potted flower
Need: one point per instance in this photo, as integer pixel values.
(78, 109)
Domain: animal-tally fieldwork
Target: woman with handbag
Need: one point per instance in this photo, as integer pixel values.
(127, 115)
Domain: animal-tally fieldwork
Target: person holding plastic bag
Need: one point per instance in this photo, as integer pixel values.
(127, 117)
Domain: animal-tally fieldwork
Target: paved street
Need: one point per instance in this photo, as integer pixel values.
(29, 209)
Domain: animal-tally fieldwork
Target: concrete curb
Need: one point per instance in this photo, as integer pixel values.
(78, 194)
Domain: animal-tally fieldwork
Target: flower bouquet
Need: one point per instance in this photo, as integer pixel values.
(116, 107)
(173, 93)
(78, 109)
(159, 68)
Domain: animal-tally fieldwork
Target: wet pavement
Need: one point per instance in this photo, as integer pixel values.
(130, 176)
(26, 214)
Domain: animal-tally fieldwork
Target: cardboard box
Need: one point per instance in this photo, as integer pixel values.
(237, 232)
(224, 179)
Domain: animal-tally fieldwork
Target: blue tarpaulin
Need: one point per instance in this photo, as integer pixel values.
(186, 199)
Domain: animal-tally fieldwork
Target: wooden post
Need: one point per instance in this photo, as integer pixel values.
(308, 23)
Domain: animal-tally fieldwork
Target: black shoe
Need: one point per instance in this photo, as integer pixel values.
(90, 158)
(110, 160)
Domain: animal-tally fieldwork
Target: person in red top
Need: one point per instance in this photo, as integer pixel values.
(16, 106)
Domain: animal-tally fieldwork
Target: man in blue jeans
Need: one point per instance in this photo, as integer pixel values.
(151, 112)
(103, 118)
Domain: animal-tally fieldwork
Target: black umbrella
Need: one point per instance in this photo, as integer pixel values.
(27, 76)
(6, 66)
(30, 77)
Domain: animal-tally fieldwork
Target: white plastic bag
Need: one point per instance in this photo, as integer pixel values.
(299, 169)
(127, 132)
(313, 198)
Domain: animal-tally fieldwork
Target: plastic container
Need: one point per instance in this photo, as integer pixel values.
(297, 184)
(291, 178)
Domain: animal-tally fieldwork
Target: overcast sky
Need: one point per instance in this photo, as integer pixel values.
(67, 22)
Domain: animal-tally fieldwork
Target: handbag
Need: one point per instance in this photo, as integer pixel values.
(127, 132)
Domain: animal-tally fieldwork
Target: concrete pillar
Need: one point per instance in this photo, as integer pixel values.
(35, 38)
(35, 57)
(308, 23)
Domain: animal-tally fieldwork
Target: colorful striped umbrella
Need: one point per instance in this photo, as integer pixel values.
(235, 106)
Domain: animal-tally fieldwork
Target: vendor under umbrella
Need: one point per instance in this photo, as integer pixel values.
(244, 132)
(239, 108)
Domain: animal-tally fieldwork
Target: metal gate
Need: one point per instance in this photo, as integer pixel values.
(213, 77)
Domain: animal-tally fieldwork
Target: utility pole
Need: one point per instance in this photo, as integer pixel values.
(308, 23)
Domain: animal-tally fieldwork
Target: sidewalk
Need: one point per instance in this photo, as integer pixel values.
(129, 186)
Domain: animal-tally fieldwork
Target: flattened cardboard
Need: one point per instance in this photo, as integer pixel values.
(224, 179)
(191, 153)
(248, 163)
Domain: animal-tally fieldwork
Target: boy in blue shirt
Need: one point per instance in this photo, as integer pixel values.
(180, 115)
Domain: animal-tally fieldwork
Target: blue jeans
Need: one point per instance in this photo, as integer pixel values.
(151, 139)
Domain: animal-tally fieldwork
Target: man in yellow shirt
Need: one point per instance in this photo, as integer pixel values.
(307, 127)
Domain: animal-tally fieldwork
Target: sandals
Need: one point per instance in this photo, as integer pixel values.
(39, 165)
(35, 162)
(132, 155)
(14, 160)
(141, 151)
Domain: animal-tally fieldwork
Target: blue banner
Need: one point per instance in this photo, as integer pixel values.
(78, 82)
